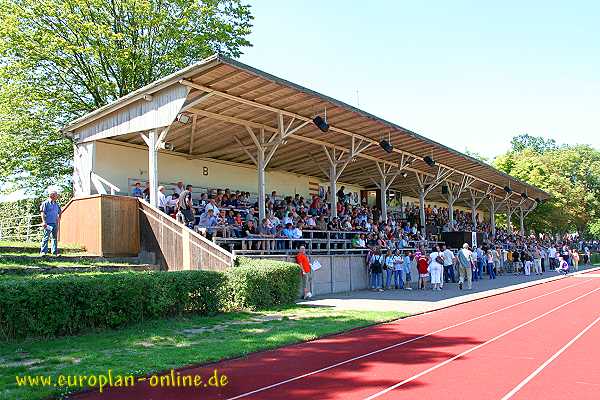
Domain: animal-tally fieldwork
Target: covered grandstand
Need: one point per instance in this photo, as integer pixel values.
(241, 119)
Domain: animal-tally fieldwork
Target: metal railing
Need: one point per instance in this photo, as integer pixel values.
(315, 242)
(25, 228)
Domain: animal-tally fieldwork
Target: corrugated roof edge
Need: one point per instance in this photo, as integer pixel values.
(176, 76)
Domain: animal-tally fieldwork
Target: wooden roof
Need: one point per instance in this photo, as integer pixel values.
(227, 97)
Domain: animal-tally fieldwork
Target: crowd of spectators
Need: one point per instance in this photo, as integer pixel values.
(506, 253)
(233, 214)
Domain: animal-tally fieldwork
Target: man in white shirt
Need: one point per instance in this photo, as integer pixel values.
(162, 199)
(552, 256)
(448, 265)
(212, 206)
(465, 267)
(179, 188)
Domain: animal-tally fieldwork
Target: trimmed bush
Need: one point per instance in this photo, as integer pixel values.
(258, 283)
(69, 304)
(595, 258)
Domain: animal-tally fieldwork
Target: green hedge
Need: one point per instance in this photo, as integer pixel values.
(595, 258)
(68, 304)
(258, 283)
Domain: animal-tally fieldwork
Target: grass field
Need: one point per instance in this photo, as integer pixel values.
(160, 345)
(24, 257)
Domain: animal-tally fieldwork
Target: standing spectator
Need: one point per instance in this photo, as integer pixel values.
(388, 265)
(480, 257)
(422, 268)
(497, 254)
(537, 260)
(448, 264)
(490, 264)
(162, 199)
(575, 257)
(465, 268)
(436, 266)
(407, 269)
(527, 265)
(517, 261)
(552, 254)
(179, 188)
(398, 270)
(50, 212)
(304, 262)
(185, 206)
(376, 269)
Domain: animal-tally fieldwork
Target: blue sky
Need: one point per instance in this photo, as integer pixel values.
(469, 74)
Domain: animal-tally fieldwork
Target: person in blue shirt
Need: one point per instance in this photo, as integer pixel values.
(50, 213)
(137, 191)
(208, 220)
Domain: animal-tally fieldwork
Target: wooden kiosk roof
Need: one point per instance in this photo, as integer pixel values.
(227, 98)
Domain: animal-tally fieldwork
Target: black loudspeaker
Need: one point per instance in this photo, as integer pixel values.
(387, 146)
(321, 124)
(444, 189)
(507, 189)
(429, 161)
(524, 195)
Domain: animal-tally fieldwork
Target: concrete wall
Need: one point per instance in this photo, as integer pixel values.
(119, 163)
(337, 274)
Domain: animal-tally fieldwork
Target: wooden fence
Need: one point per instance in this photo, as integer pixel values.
(176, 246)
(104, 225)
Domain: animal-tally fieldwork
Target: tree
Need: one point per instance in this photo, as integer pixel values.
(571, 174)
(477, 156)
(536, 143)
(60, 59)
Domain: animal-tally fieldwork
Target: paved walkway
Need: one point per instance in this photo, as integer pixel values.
(419, 301)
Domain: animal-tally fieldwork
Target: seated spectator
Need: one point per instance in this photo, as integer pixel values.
(137, 191)
(207, 223)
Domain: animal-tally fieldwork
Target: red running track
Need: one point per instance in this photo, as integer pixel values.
(539, 342)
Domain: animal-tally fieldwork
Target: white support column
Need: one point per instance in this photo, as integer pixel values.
(153, 141)
(260, 165)
(474, 213)
(509, 214)
(384, 189)
(337, 165)
(476, 202)
(454, 192)
(422, 209)
(493, 216)
(426, 185)
(451, 201)
(333, 189)
(521, 221)
(265, 150)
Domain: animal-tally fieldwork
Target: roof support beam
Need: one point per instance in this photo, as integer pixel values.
(304, 118)
(365, 143)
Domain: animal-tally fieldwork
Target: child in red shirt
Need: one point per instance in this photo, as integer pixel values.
(422, 267)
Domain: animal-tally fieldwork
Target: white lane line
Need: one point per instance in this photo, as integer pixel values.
(548, 361)
(472, 349)
(262, 389)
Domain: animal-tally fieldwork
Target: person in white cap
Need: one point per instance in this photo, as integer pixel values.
(50, 212)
